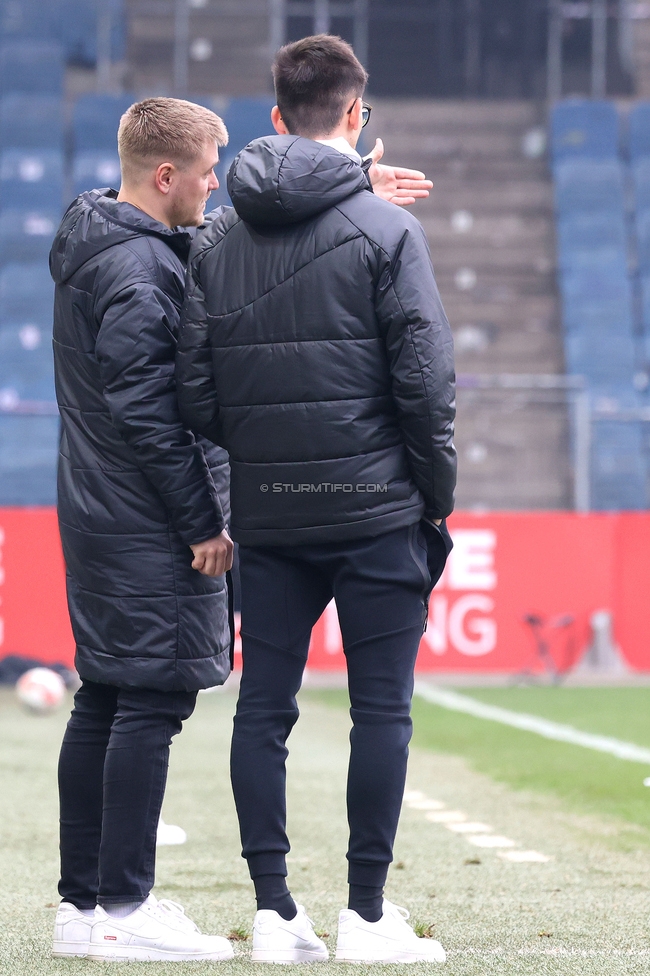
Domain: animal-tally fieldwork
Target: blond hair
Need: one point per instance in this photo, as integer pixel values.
(159, 130)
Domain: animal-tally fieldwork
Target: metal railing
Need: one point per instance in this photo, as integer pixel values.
(598, 11)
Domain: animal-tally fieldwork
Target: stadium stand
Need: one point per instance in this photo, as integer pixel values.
(597, 286)
(31, 68)
(72, 23)
(94, 125)
(31, 122)
(246, 119)
(28, 444)
(31, 178)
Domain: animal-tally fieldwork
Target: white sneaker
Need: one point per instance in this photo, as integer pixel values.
(156, 930)
(71, 931)
(388, 940)
(276, 940)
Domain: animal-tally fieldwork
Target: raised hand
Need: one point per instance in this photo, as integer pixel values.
(394, 183)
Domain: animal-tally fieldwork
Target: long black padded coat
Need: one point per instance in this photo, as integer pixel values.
(135, 488)
(315, 349)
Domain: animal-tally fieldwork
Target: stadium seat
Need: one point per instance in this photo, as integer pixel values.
(606, 357)
(27, 235)
(588, 185)
(643, 241)
(95, 121)
(246, 119)
(639, 132)
(26, 293)
(30, 19)
(641, 182)
(77, 30)
(31, 67)
(592, 314)
(618, 471)
(645, 303)
(31, 122)
(73, 23)
(26, 365)
(587, 129)
(28, 456)
(587, 231)
(31, 179)
(96, 169)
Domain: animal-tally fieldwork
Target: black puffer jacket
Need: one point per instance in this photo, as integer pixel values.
(315, 349)
(135, 488)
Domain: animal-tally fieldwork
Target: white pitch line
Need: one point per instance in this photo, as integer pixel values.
(532, 723)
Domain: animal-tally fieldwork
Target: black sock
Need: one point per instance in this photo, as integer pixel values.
(273, 895)
(366, 902)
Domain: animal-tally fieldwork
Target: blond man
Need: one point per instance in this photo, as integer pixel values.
(139, 515)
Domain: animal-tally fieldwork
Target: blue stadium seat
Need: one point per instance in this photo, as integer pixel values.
(618, 470)
(95, 121)
(599, 260)
(643, 241)
(639, 129)
(31, 122)
(96, 169)
(588, 185)
(73, 23)
(596, 285)
(641, 181)
(28, 456)
(31, 179)
(29, 19)
(77, 30)
(26, 293)
(604, 356)
(587, 129)
(31, 67)
(591, 314)
(645, 303)
(579, 232)
(27, 235)
(246, 119)
(26, 365)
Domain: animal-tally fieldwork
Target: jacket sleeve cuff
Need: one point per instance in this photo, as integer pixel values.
(201, 532)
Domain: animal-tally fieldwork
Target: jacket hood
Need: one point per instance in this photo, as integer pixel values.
(286, 179)
(96, 221)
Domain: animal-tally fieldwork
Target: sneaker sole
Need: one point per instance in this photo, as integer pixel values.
(147, 954)
(72, 950)
(288, 956)
(350, 955)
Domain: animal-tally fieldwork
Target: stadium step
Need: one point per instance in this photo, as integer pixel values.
(497, 280)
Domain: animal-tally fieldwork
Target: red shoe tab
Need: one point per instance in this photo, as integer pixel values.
(112, 938)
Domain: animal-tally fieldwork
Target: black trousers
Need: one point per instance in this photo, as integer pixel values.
(112, 775)
(381, 587)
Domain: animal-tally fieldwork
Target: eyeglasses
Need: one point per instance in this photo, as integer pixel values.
(365, 112)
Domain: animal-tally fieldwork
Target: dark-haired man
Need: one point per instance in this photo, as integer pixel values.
(326, 371)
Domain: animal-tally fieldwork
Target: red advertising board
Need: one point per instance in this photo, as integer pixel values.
(505, 567)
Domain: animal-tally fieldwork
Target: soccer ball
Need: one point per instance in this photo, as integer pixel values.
(40, 690)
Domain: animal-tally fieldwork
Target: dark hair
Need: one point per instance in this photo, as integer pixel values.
(314, 77)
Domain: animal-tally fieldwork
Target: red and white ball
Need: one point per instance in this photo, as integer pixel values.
(40, 690)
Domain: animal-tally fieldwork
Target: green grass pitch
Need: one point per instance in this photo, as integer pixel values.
(586, 911)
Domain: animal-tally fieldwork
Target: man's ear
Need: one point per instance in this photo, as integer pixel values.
(164, 177)
(278, 123)
(354, 117)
